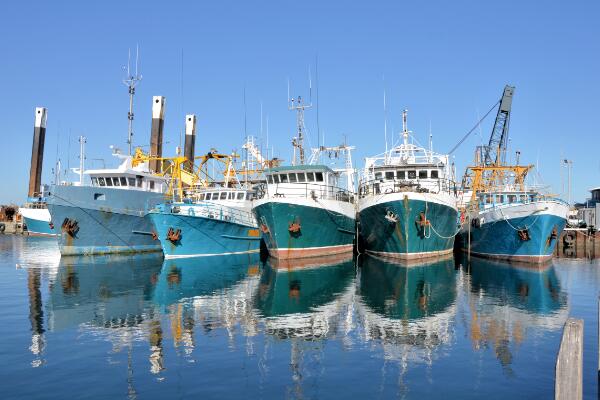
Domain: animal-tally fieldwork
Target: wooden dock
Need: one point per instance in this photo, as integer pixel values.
(578, 243)
(568, 383)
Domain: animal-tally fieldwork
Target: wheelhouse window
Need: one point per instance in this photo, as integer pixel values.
(123, 181)
(378, 175)
(109, 181)
(293, 178)
(319, 176)
(208, 196)
(138, 181)
(524, 198)
(270, 178)
(201, 196)
(434, 174)
(276, 178)
(223, 196)
(512, 198)
(94, 182)
(423, 174)
(283, 178)
(301, 177)
(248, 196)
(101, 181)
(231, 196)
(116, 181)
(389, 175)
(412, 174)
(401, 174)
(131, 181)
(240, 196)
(310, 176)
(151, 185)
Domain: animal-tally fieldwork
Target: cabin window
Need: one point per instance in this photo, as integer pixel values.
(389, 175)
(499, 198)
(116, 181)
(524, 198)
(434, 174)
(94, 182)
(208, 196)
(378, 175)
(101, 181)
(276, 178)
(310, 176)
(248, 196)
(231, 196)
(283, 178)
(488, 199)
(412, 174)
(423, 174)
(138, 180)
(201, 196)
(240, 196)
(532, 197)
(131, 181)
(400, 174)
(293, 178)
(511, 198)
(319, 176)
(270, 178)
(108, 181)
(301, 177)
(223, 195)
(151, 185)
(123, 181)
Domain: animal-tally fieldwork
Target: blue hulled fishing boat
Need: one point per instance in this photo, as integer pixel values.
(504, 218)
(407, 207)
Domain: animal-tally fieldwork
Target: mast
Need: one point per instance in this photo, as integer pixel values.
(131, 81)
(82, 142)
(299, 106)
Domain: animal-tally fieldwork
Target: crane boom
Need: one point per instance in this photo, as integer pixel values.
(495, 152)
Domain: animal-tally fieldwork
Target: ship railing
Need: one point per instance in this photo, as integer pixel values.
(215, 211)
(386, 186)
(488, 200)
(305, 190)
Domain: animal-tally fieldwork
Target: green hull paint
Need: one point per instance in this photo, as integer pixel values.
(319, 227)
(407, 237)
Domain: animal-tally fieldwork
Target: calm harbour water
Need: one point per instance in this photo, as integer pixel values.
(234, 327)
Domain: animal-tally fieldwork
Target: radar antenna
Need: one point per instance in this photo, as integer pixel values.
(131, 80)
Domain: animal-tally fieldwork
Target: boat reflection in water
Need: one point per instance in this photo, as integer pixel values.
(410, 310)
(507, 300)
(211, 292)
(302, 298)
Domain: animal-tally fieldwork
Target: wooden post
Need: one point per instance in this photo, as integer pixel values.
(568, 383)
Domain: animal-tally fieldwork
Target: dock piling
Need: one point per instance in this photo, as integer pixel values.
(37, 151)
(568, 382)
(156, 134)
(190, 137)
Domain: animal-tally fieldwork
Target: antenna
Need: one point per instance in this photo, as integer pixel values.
(385, 119)
(131, 81)
(298, 141)
(319, 144)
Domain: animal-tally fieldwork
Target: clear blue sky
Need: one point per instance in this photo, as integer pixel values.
(444, 61)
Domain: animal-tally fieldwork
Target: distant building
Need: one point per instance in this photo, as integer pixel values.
(589, 212)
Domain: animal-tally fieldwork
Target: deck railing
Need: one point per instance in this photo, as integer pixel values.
(305, 190)
(214, 211)
(387, 186)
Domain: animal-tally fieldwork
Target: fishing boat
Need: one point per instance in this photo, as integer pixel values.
(36, 215)
(108, 215)
(503, 217)
(407, 207)
(212, 217)
(303, 209)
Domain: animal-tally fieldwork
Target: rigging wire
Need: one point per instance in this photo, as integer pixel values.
(473, 129)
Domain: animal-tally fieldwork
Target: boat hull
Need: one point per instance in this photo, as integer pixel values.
(392, 225)
(201, 236)
(108, 220)
(540, 219)
(325, 227)
(37, 221)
